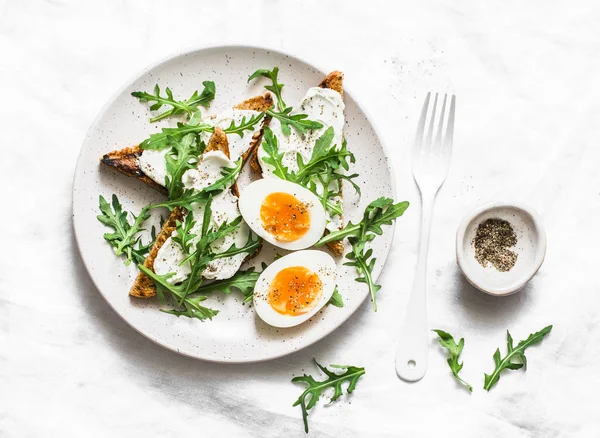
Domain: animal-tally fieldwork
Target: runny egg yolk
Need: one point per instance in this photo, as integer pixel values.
(284, 216)
(295, 290)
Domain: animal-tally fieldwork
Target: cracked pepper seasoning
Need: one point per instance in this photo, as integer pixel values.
(492, 241)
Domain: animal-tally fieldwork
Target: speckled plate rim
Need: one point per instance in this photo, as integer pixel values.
(189, 51)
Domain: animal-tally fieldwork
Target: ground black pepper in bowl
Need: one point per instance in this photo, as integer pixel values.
(492, 241)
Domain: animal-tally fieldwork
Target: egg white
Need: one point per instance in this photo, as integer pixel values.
(318, 262)
(253, 196)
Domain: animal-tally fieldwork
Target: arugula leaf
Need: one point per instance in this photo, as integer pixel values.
(191, 196)
(322, 168)
(275, 88)
(181, 158)
(178, 107)
(299, 122)
(245, 125)
(190, 304)
(455, 350)
(517, 353)
(164, 139)
(274, 157)
(243, 281)
(123, 239)
(184, 236)
(380, 212)
(336, 299)
(316, 388)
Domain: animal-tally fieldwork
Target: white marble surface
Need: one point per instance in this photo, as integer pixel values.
(526, 76)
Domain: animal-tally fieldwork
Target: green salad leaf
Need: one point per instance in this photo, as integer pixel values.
(309, 398)
(177, 106)
(182, 157)
(336, 299)
(380, 212)
(245, 125)
(515, 357)
(275, 88)
(299, 122)
(455, 350)
(124, 237)
(242, 281)
(320, 174)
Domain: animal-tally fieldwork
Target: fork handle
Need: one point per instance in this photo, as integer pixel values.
(412, 352)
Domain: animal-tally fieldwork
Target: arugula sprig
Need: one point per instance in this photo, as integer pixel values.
(336, 299)
(188, 106)
(245, 125)
(190, 307)
(513, 353)
(380, 212)
(185, 293)
(242, 281)
(181, 158)
(455, 350)
(275, 88)
(309, 398)
(125, 237)
(165, 138)
(299, 122)
(191, 196)
(320, 174)
(184, 235)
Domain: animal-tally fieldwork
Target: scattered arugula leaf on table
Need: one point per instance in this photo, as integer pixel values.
(309, 398)
(380, 212)
(455, 350)
(177, 107)
(513, 353)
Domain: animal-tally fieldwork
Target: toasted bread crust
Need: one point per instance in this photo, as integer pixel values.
(125, 160)
(334, 81)
(144, 286)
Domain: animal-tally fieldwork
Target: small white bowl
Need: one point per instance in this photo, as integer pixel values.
(530, 247)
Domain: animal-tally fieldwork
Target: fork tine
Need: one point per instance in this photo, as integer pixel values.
(428, 143)
(449, 138)
(421, 125)
(437, 148)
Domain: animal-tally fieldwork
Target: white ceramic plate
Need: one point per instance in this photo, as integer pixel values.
(236, 334)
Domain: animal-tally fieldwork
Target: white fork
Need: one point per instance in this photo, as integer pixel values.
(430, 163)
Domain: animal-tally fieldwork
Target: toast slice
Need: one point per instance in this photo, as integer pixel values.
(125, 160)
(144, 287)
(334, 81)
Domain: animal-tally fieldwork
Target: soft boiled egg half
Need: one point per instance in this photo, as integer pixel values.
(283, 213)
(293, 288)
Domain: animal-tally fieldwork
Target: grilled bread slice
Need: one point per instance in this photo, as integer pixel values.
(144, 287)
(126, 160)
(334, 81)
